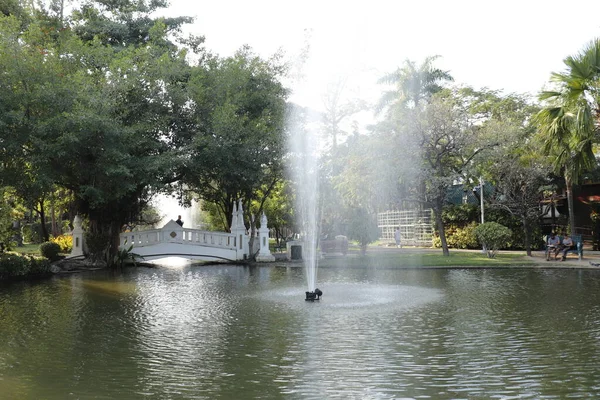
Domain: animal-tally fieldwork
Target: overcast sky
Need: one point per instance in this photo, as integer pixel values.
(510, 45)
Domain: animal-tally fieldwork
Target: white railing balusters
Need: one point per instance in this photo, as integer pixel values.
(194, 237)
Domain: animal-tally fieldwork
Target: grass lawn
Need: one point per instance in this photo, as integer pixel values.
(426, 258)
(30, 248)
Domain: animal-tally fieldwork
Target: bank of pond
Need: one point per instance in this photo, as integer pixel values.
(18, 266)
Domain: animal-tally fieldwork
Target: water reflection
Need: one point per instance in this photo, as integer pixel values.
(246, 332)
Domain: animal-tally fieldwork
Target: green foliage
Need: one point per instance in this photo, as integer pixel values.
(50, 250)
(97, 244)
(6, 231)
(14, 265)
(460, 213)
(237, 147)
(459, 237)
(32, 233)
(361, 226)
(65, 242)
(493, 237)
(125, 255)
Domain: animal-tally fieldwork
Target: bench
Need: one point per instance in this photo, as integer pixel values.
(576, 249)
(337, 245)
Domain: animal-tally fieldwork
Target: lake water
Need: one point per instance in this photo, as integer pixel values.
(234, 332)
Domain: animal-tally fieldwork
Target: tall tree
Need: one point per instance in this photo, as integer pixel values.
(237, 119)
(123, 23)
(91, 118)
(569, 121)
(413, 84)
(446, 140)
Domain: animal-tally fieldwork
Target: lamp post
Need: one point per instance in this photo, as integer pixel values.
(481, 199)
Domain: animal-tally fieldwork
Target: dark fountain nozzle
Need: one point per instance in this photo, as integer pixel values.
(312, 296)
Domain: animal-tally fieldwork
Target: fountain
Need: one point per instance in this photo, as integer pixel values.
(312, 296)
(305, 172)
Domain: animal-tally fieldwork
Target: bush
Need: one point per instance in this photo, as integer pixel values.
(493, 237)
(65, 242)
(96, 245)
(459, 237)
(464, 238)
(50, 250)
(39, 266)
(13, 265)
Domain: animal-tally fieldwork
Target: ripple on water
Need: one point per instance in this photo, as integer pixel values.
(354, 296)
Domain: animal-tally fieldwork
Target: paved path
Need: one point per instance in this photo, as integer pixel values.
(537, 258)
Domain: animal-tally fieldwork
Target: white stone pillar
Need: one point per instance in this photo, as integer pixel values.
(264, 254)
(239, 230)
(77, 234)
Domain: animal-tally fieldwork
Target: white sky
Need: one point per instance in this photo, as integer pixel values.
(509, 45)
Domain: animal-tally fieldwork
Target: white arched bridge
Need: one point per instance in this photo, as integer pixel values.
(173, 240)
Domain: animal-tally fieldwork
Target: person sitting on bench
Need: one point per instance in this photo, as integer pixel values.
(567, 244)
(553, 244)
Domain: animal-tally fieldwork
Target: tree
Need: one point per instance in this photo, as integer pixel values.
(519, 191)
(237, 119)
(414, 85)
(512, 163)
(337, 111)
(93, 119)
(361, 226)
(569, 121)
(446, 142)
(124, 23)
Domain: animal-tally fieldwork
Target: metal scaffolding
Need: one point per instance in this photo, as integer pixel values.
(416, 227)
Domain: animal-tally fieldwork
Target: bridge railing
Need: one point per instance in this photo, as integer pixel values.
(207, 238)
(184, 236)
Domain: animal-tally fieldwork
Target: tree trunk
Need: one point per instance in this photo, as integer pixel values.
(570, 204)
(115, 241)
(441, 230)
(42, 213)
(527, 236)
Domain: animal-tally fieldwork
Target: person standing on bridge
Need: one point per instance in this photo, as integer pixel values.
(179, 221)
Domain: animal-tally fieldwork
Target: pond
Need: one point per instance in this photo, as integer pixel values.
(233, 332)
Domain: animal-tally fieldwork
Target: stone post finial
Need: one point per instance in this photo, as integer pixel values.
(263, 220)
(234, 217)
(264, 253)
(77, 249)
(77, 222)
(241, 215)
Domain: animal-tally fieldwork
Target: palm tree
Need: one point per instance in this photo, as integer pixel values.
(413, 84)
(569, 122)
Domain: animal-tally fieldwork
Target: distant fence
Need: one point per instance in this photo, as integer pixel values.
(416, 227)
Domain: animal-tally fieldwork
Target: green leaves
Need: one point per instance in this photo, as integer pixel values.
(237, 110)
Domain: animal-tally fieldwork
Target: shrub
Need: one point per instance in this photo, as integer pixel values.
(39, 266)
(50, 250)
(493, 237)
(464, 238)
(65, 242)
(459, 237)
(13, 265)
(96, 245)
